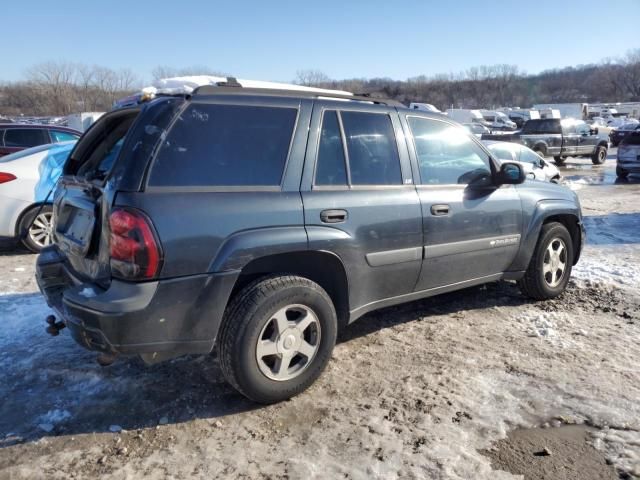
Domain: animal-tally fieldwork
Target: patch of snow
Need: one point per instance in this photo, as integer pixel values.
(55, 416)
(87, 292)
(115, 428)
(19, 269)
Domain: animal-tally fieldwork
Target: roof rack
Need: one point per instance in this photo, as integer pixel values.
(231, 86)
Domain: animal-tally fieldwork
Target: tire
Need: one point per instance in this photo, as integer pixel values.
(254, 315)
(621, 173)
(599, 156)
(37, 223)
(559, 160)
(540, 283)
(555, 180)
(541, 151)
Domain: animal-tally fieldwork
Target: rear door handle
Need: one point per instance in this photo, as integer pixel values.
(440, 210)
(333, 216)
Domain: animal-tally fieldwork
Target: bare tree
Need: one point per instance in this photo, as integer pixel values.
(311, 78)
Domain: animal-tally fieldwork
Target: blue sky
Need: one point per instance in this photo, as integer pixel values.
(271, 40)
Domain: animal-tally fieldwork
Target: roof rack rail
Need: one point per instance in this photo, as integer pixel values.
(231, 86)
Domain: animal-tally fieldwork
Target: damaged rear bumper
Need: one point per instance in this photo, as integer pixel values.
(163, 318)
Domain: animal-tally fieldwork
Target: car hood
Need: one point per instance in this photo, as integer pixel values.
(547, 191)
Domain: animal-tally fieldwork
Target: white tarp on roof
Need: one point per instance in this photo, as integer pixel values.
(178, 85)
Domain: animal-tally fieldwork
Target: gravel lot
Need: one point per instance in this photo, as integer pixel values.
(473, 384)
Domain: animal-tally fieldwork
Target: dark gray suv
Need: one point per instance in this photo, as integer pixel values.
(260, 222)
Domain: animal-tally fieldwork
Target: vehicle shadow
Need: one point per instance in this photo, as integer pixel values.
(613, 228)
(10, 246)
(52, 387)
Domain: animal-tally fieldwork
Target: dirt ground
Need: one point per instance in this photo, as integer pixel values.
(472, 384)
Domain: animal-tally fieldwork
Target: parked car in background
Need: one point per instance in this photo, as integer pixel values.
(16, 136)
(497, 120)
(262, 222)
(476, 128)
(628, 156)
(618, 134)
(533, 164)
(26, 180)
(560, 138)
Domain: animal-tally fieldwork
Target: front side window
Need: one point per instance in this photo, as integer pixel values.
(446, 153)
(24, 137)
(372, 149)
(225, 145)
(330, 167)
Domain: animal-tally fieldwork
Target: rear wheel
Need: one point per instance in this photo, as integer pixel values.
(550, 267)
(599, 156)
(36, 228)
(277, 337)
(540, 151)
(621, 173)
(559, 160)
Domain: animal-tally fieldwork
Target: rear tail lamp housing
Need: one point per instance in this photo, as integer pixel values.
(6, 177)
(134, 248)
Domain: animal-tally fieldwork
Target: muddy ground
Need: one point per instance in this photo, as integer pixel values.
(473, 384)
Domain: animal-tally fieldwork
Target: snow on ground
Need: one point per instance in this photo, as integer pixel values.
(413, 391)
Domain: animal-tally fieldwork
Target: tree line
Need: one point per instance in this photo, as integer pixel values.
(61, 88)
(612, 80)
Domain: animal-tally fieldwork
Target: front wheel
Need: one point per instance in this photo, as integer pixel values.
(599, 156)
(277, 337)
(36, 228)
(550, 267)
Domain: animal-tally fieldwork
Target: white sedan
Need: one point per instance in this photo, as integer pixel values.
(26, 182)
(533, 164)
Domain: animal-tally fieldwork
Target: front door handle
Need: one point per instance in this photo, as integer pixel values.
(439, 210)
(333, 216)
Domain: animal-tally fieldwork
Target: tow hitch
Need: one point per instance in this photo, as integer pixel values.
(54, 327)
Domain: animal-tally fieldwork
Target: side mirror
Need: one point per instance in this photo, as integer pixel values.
(510, 174)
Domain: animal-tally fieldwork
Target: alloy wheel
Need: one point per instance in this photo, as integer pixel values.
(288, 342)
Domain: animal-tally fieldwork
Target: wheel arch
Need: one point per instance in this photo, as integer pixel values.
(322, 267)
(24, 212)
(546, 211)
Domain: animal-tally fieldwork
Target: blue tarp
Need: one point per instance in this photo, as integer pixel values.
(50, 169)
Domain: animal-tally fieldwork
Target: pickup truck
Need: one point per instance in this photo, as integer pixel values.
(559, 138)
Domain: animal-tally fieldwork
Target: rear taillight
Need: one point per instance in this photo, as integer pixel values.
(6, 177)
(134, 247)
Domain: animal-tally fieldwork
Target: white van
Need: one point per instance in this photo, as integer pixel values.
(497, 120)
(462, 115)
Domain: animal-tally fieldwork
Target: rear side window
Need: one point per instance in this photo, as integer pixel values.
(330, 169)
(542, 126)
(1, 138)
(25, 137)
(59, 136)
(371, 144)
(225, 145)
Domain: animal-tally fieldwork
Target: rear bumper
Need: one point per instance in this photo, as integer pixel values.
(165, 317)
(631, 165)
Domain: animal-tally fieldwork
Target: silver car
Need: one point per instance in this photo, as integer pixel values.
(533, 164)
(628, 157)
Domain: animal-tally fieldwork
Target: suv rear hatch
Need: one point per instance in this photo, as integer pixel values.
(111, 156)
